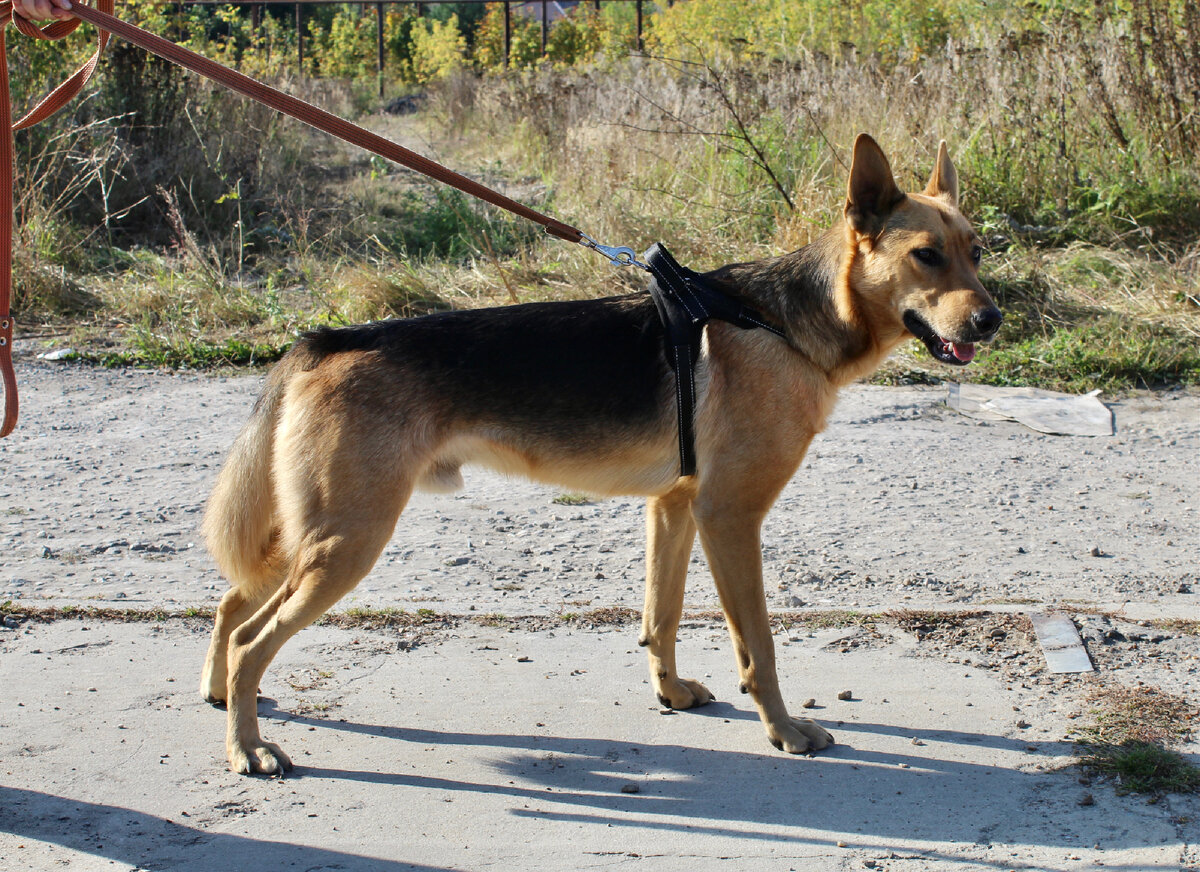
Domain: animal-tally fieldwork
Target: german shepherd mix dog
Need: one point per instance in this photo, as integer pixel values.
(581, 394)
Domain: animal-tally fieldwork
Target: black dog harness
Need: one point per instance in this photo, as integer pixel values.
(686, 302)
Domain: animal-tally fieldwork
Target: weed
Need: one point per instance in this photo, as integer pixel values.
(831, 619)
(1128, 740)
(1183, 626)
(909, 618)
(572, 499)
(1143, 767)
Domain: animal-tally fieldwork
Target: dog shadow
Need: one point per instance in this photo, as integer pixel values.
(894, 796)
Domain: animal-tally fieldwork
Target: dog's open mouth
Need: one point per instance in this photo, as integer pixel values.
(954, 353)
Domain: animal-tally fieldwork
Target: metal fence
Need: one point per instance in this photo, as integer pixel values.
(542, 6)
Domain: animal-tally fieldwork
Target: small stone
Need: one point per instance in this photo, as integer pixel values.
(630, 788)
(917, 741)
(841, 844)
(870, 864)
(808, 703)
(456, 561)
(997, 634)
(1087, 799)
(1022, 724)
(845, 694)
(1184, 587)
(1096, 552)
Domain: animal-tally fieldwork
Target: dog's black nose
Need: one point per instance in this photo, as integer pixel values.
(987, 321)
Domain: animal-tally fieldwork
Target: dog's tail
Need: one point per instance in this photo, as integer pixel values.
(240, 525)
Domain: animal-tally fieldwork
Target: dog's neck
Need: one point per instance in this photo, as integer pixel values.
(806, 292)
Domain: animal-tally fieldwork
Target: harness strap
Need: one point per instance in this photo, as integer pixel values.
(686, 301)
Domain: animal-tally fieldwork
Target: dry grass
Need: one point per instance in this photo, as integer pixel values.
(1131, 736)
(211, 231)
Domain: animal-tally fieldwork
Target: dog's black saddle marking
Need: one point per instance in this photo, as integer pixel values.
(686, 302)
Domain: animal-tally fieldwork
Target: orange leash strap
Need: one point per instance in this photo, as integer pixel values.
(47, 107)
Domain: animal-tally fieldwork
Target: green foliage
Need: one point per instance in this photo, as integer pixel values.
(149, 349)
(892, 30)
(438, 49)
(1109, 352)
(346, 48)
(446, 224)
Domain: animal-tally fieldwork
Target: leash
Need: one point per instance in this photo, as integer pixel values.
(107, 24)
(57, 98)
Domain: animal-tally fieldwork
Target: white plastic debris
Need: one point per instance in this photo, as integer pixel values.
(1044, 411)
(58, 354)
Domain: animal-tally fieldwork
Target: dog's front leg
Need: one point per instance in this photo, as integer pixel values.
(670, 532)
(730, 536)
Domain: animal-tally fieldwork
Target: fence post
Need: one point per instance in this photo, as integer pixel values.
(507, 32)
(641, 46)
(299, 37)
(545, 25)
(379, 44)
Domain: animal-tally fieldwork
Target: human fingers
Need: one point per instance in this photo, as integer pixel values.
(37, 10)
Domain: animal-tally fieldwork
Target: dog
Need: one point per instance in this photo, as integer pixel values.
(581, 394)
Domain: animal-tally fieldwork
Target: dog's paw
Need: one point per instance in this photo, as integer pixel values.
(212, 685)
(265, 758)
(800, 736)
(683, 693)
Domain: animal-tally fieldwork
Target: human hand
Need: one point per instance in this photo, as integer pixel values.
(36, 10)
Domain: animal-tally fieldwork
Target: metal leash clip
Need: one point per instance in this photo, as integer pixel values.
(618, 255)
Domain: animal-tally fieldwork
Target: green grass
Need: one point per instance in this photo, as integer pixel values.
(1143, 767)
(167, 353)
(1111, 352)
(572, 499)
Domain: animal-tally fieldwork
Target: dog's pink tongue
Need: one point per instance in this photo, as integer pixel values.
(963, 351)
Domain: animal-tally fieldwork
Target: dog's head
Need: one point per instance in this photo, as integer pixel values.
(914, 259)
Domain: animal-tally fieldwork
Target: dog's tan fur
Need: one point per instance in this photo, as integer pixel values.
(315, 484)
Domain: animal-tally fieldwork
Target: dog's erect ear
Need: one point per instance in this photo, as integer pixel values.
(872, 192)
(944, 181)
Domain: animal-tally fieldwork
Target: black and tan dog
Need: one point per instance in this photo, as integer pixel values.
(581, 394)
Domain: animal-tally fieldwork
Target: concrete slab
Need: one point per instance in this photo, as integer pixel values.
(486, 749)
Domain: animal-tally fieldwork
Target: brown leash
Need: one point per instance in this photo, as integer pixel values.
(299, 109)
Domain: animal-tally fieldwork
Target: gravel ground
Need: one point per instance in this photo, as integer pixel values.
(901, 502)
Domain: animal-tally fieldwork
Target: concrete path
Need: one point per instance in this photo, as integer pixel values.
(477, 748)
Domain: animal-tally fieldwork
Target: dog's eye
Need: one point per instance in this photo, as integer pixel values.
(928, 256)
(976, 254)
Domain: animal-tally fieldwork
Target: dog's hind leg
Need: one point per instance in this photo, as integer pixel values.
(237, 606)
(670, 532)
(730, 533)
(339, 545)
